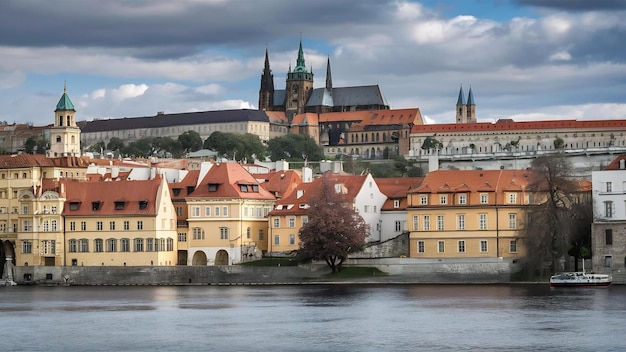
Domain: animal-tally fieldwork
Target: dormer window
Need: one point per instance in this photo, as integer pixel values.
(119, 205)
(95, 205)
(190, 189)
(213, 187)
(143, 204)
(299, 193)
(176, 191)
(255, 188)
(74, 205)
(243, 188)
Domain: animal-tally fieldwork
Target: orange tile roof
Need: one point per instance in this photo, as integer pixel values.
(187, 183)
(454, 181)
(614, 165)
(280, 183)
(110, 196)
(293, 204)
(376, 117)
(24, 160)
(396, 188)
(277, 117)
(229, 177)
(510, 125)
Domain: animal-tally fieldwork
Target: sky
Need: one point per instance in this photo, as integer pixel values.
(526, 60)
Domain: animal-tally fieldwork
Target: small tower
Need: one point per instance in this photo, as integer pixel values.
(65, 134)
(461, 108)
(298, 88)
(465, 112)
(471, 107)
(266, 93)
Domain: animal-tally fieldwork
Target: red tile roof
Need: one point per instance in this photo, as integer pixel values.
(280, 183)
(615, 164)
(510, 125)
(229, 178)
(396, 188)
(112, 198)
(453, 181)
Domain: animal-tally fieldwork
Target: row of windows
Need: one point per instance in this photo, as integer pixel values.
(292, 240)
(195, 211)
(100, 225)
(291, 221)
(46, 247)
(198, 233)
(121, 245)
(461, 246)
(462, 198)
(460, 222)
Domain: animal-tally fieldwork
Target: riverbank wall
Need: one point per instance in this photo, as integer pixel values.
(395, 270)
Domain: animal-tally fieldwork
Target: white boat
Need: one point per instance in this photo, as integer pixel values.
(580, 279)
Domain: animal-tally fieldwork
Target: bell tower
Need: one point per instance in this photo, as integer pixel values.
(298, 88)
(65, 134)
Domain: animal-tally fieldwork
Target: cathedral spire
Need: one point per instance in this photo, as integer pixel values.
(329, 78)
(461, 100)
(266, 92)
(300, 64)
(470, 97)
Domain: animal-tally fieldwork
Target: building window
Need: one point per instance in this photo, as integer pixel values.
(198, 233)
(440, 223)
(513, 246)
(608, 261)
(138, 244)
(112, 225)
(608, 236)
(124, 245)
(179, 211)
(292, 221)
(248, 233)
(195, 211)
(483, 246)
(72, 248)
(461, 246)
(397, 226)
(99, 225)
(83, 245)
(512, 198)
(443, 199)
(292, 239)
(609, 186)
(462, 199)
(182, 237)
(276, 222)
(150, 245)
(83, 226)
(424, 200)
(98, 245)
(207, 211)
(396, 203)
(482, 221)
(139, 225)
(305, 220)
(223, 233)
(261, 235)
(608, 209)
(484, 198)
(170, 244)
(426, 223)
(366, 208)
(53, 225)
(460, 222)
(111, 245)
(441, 247)
(72, 226)
(126, 225)
(420, 247)
(512, 221)
(277, 240)
(46, 226)
(217, 211)
(27, 247)
(415, 223)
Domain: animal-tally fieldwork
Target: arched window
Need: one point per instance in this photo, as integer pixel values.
(58, 139)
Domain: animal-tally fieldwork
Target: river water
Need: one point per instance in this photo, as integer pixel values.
(313, 318)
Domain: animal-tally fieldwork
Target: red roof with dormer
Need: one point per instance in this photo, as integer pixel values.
(396, 189)
(455, 181)
(230, 180)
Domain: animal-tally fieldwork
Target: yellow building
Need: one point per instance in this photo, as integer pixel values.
(119, 223)
(227, 216)
(30, 206)
(469, 214)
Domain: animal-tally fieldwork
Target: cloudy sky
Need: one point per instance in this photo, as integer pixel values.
(524, 59)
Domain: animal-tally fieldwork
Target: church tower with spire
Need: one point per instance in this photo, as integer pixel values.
(298, 88)
(465, 111)
(266, 93)
(65, 134)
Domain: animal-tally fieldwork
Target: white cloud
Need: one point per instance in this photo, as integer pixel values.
(562, 55)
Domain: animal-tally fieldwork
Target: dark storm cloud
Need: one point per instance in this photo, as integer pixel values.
(117, 23)
(577, 5)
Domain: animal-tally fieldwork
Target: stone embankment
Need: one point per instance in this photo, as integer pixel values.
(397, 270)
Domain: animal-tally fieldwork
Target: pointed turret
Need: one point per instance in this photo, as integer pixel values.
(65, 103)
(329, 78)
(266, 93)
(461, 108)
(471, 107)
(64, 134)
(300, 64)
(461, 100)
(470, 98)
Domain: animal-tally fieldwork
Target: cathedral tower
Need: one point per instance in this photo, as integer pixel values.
(266, 93)
(298, 88)
(465, 112)
(65, 134)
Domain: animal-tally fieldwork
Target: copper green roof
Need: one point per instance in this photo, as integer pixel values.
(461, 100)
(470, 98)
(300, 65)
(65, 103)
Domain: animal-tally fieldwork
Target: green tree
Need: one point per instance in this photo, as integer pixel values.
(251, 147)
(558, 143)
(35, 144)
(140, 148)
(225, 144)
(167, 147)
(294, 147)
(97, 147)
(335, 228)
(431, 143)
(115, 144)
(190, 141)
